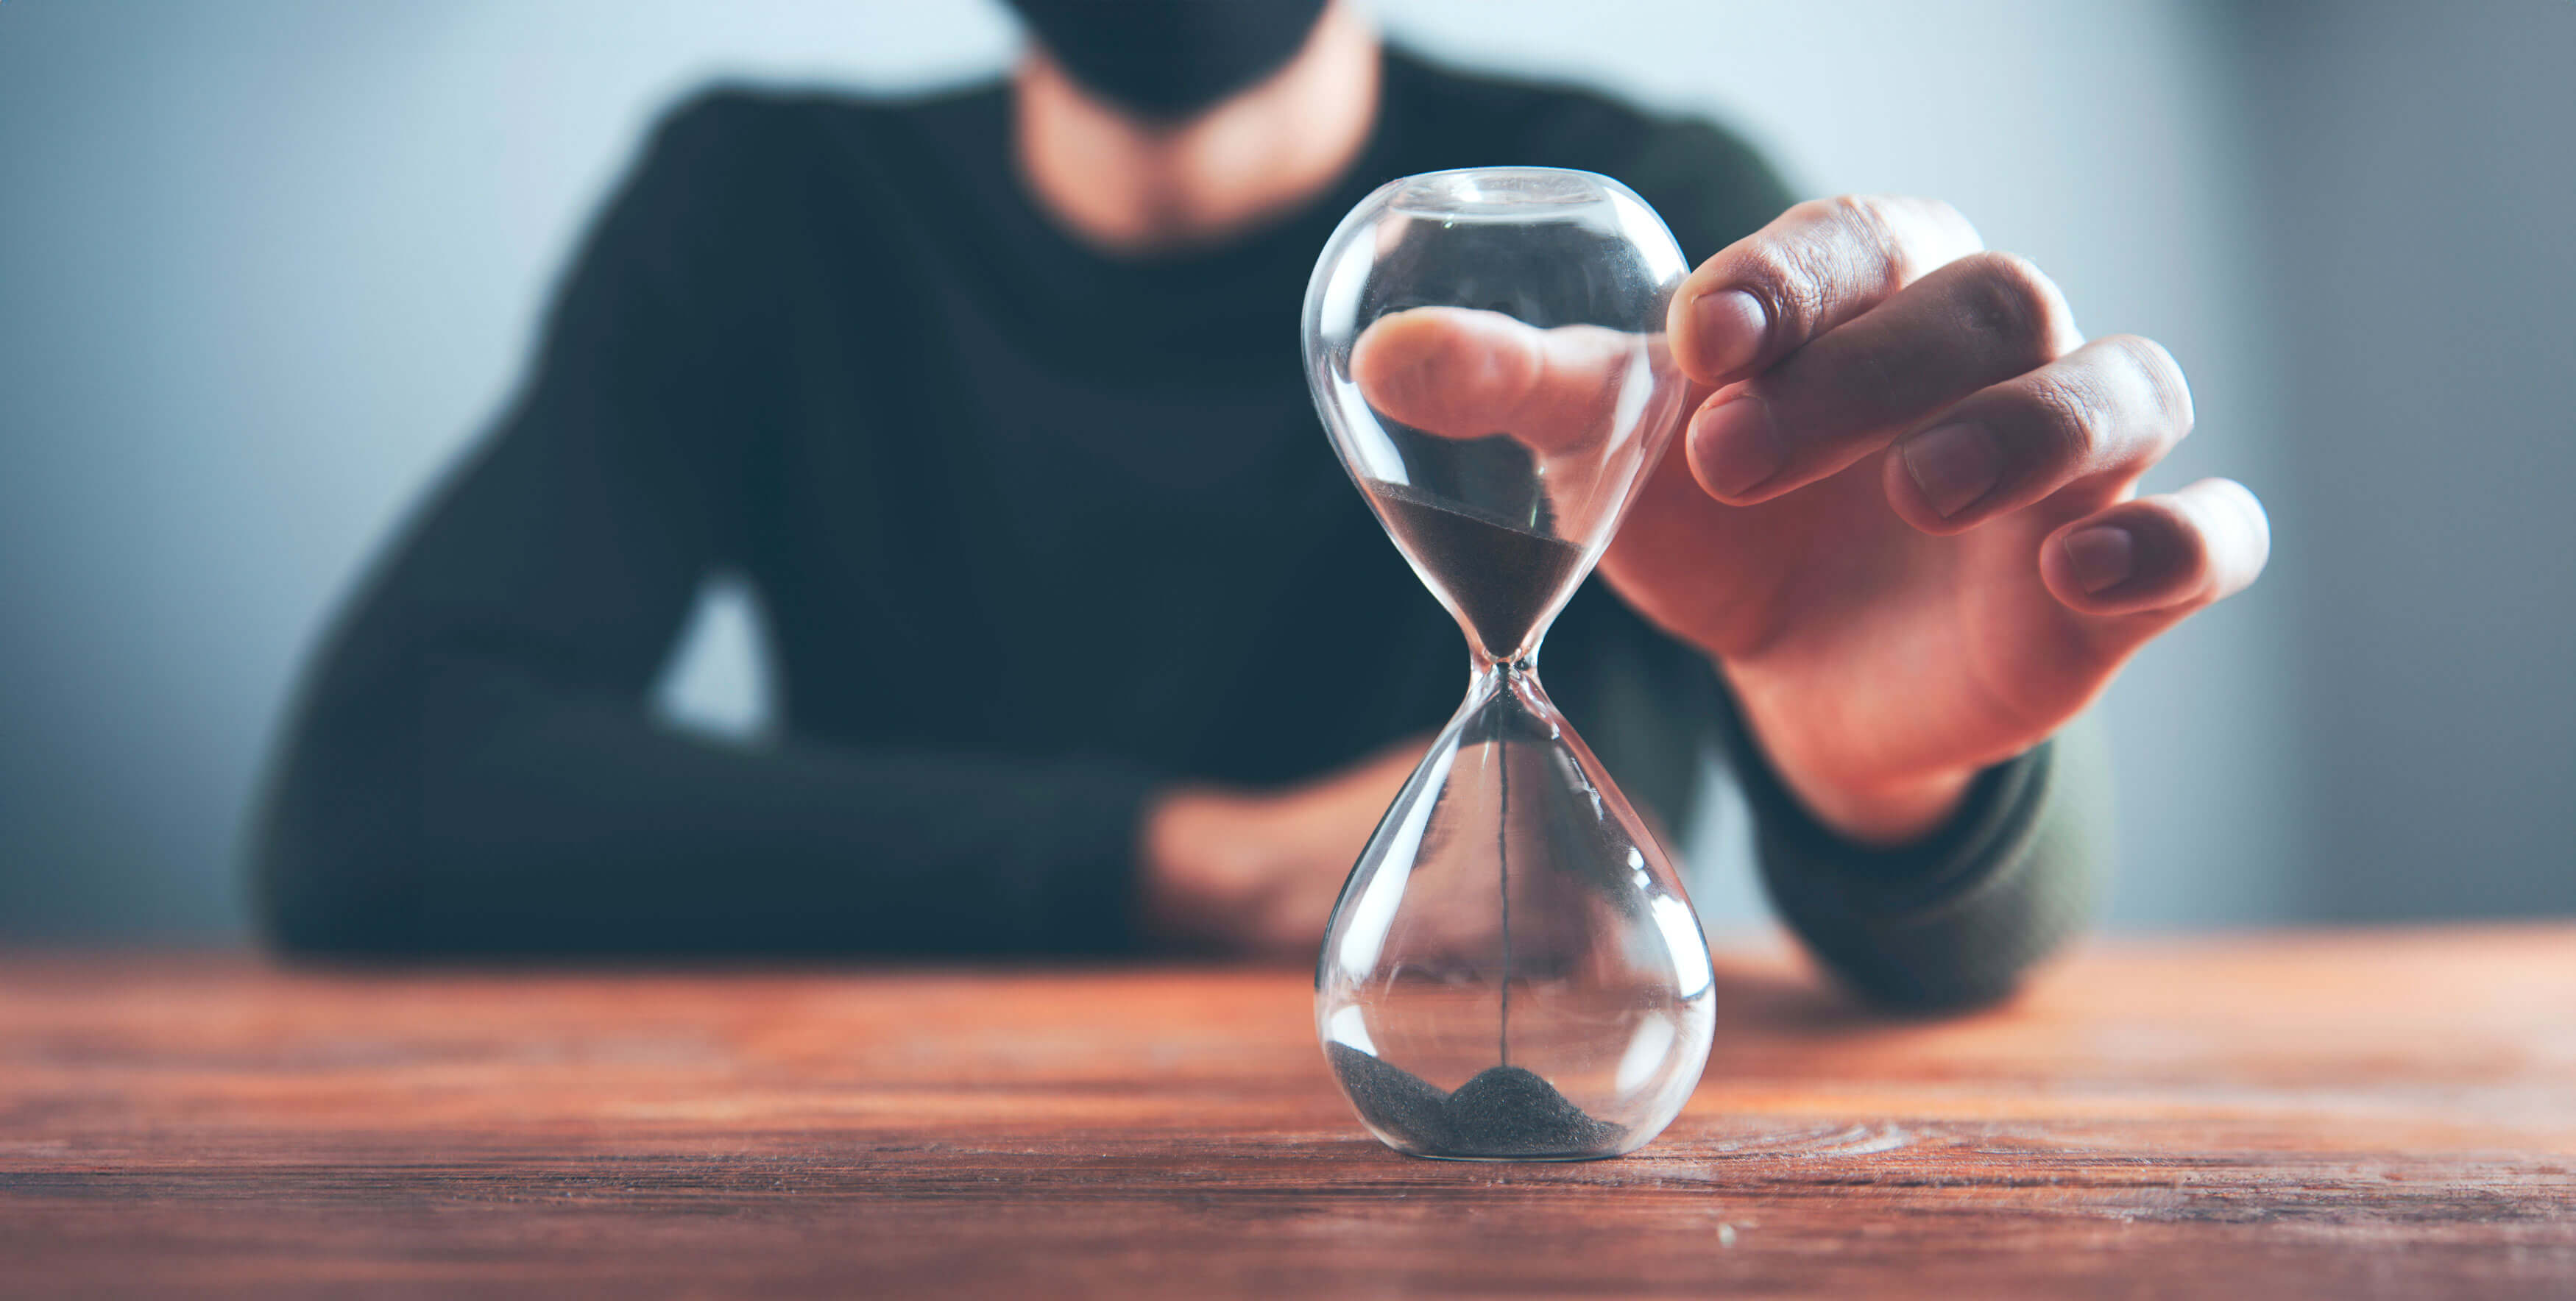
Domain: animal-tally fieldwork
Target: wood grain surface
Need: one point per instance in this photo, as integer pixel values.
(2358, 1114)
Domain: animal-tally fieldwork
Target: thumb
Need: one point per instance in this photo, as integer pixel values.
(1458, 372)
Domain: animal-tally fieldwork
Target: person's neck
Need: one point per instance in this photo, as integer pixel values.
(1136, 188)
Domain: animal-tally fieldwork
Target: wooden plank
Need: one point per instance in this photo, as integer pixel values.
(2350, 1115)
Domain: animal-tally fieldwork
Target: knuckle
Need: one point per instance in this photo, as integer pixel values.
(1872, 242)
(2055, 427)
(1794, 285)
(2160, 377)
(2071, 424)
(2008, 302)
(1779, 267)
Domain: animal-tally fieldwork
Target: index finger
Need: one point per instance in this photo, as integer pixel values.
(1816, 266)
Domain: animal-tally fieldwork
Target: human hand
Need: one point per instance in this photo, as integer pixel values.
(1258, 873)
(1904, 515)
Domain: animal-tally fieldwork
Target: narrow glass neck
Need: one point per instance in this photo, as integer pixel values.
(1483, 669)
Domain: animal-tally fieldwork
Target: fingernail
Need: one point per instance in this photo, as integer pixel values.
(1738, 447)
(2100, 556)
(1954, 465)
(1731, 325)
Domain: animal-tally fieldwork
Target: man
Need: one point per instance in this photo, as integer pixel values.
(1088, 644)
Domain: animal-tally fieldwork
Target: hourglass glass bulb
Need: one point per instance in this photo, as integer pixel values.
(1513, 971)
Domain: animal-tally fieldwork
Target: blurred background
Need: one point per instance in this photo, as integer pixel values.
(268, 266)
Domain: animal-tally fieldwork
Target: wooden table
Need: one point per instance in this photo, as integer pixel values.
(2342, 1115)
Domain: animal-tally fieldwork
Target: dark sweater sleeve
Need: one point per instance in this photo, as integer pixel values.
(1956, 920)
(471, 767)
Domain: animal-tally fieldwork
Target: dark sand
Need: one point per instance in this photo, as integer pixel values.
(1501, 576)
(1504, 1111)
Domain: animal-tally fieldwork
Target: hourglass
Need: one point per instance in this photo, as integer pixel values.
(1513, 971)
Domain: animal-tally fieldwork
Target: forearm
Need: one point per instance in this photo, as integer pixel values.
(1955, 919)
(474, 809)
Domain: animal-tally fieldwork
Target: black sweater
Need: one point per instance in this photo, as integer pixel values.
(1036, 530)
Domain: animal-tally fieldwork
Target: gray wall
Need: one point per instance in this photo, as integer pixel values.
(2416, 178)
(266, 265)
